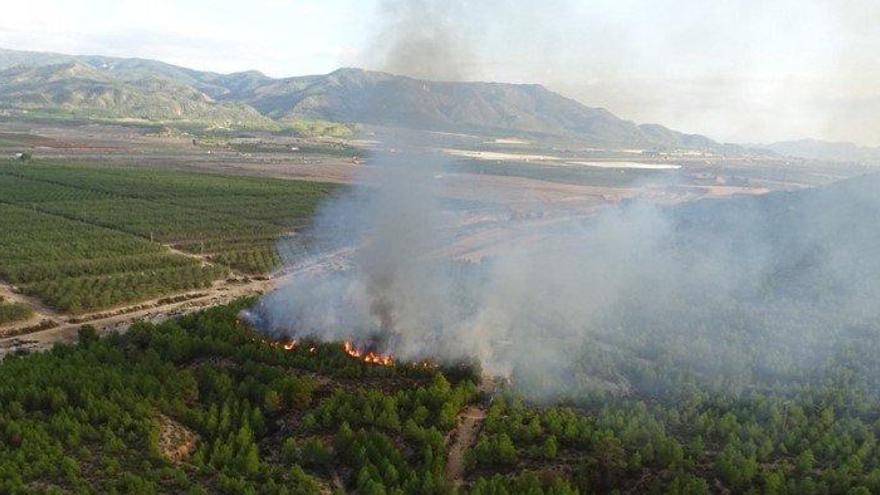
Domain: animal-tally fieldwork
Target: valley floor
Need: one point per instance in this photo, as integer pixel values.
(103, 176)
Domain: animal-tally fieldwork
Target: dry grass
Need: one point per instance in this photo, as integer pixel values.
(176, 442)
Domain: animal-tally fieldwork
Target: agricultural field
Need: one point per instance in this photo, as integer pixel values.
(78, 267)
(83, 239)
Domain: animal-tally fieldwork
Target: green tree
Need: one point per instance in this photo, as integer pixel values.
(86, 335)
(805, 461)
(550, 447)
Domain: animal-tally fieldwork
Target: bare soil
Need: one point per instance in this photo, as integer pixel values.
(463, 437)
(223, 292)
(460, 440)
(176, 442)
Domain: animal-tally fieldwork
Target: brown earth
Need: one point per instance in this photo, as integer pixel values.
(463, 437)
(460, 440)
(176, 442)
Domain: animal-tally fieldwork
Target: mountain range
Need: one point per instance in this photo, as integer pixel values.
(80, 89)
(147, 89)
(814, 149)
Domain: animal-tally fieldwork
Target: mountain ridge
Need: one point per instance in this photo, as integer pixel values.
(817, 149)
(349, 95)
(79, 89)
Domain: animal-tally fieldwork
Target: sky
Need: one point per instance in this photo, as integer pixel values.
(737, 71)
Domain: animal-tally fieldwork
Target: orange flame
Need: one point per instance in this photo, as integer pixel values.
(369, 356)
(349, 348)
(292, 344)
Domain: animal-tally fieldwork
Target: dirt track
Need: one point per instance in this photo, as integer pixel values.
(222, 292)
(462, 438)
(65, 331)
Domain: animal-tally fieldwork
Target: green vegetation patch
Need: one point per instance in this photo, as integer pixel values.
(12, 312)
(233, 221)
(707, 444)
(258, 418)
(93, 418)
(159, 220)
(78, 267)
(162, 184)
(318, 128)
(21, 190)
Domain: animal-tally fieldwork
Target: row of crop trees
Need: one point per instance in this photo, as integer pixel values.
(78, 267)
(81, 294)
(234, 220)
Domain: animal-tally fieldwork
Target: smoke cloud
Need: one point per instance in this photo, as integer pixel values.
(423, 38)
(739, 293)
(735, 294)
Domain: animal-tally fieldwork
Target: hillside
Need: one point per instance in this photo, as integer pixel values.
(124, 87)
(79, 89)
(132, 69)
(356, 95)
(815, 149)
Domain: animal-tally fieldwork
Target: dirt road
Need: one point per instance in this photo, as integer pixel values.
(222, 292)
(42, 314)
(462, 438)
(66, 330)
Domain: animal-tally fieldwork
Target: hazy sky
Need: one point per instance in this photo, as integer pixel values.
(747, 70)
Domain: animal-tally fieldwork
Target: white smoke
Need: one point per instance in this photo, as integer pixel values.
(733, 292)
(720, 289)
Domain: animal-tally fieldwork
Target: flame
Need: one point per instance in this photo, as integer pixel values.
(374, 358)
(369, 356)
(292, 344)
(350, 349)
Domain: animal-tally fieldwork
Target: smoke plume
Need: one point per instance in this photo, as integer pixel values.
(740, 293)
(736, 292)
(424, 39)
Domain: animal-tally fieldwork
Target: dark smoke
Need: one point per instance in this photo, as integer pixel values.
(424, 39)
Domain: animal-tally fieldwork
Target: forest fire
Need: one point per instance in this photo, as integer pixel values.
(293, 344)
(368, 356)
